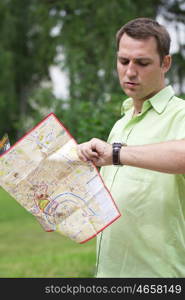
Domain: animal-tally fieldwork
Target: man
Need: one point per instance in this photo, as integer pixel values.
(148, 240)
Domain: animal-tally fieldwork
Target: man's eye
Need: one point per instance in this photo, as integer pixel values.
(143, 64)
(124, 62)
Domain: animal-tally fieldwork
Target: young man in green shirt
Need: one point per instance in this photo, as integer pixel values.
(148, 240)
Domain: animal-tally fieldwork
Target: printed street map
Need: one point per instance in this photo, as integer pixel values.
(43, 173)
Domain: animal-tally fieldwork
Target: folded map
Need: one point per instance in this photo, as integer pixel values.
(43, 172)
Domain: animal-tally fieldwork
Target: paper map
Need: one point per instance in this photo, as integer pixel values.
(43, 173)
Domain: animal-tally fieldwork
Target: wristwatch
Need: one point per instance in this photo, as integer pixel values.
(116, 147)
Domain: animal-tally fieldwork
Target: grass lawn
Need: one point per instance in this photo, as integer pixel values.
(26, 250)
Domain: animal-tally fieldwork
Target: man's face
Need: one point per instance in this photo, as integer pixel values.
(140, 72)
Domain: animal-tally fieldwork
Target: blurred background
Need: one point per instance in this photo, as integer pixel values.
(60, 56)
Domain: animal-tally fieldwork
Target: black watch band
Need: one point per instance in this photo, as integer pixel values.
(116, 147)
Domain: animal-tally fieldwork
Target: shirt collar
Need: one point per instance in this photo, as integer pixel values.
(159, 101)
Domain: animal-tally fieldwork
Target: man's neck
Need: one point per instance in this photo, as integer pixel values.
(138, 103)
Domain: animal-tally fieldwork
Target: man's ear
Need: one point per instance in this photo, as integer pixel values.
(166, 63)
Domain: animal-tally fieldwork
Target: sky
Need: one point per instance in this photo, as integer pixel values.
(60, 82)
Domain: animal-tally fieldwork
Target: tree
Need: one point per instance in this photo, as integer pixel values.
(86, 37)
(88, 42)
(27, 49)
(173, 12)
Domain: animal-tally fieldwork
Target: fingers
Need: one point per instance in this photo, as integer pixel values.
(86, 152)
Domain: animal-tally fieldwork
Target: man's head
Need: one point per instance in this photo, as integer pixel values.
(144, 28)
(143, 57)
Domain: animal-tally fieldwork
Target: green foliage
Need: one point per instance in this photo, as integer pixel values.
(87, 120)
(88, 40)
(27, 49)
(82, 118)
(41, 103)
(174, 11)
(86, 30)
(182, 96)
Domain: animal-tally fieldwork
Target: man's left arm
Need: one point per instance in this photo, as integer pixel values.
(166, 157)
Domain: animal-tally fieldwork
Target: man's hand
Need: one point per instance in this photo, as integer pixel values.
(97, 151)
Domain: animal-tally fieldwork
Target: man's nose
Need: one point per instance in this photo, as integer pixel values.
(131, 70)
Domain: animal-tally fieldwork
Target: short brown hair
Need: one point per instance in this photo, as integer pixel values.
(143, 28)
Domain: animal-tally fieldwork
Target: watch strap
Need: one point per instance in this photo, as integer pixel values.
(116, 147)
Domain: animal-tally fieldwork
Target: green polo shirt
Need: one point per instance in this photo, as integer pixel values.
(148, 240)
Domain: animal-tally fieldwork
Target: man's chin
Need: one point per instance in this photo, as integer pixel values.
(130, 92)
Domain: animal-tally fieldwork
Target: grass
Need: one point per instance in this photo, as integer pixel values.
(26, 250)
